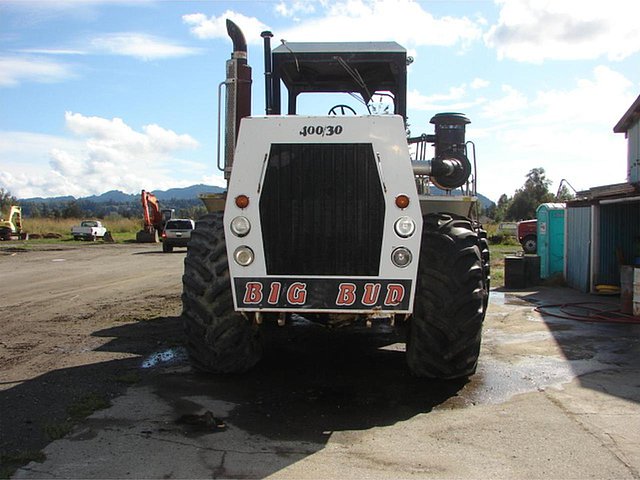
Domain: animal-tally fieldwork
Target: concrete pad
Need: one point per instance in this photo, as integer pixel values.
(530, 436)
(552, 398)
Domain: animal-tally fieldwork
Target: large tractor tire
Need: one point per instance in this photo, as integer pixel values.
(446, 327)
(483, 243)
(220, 340)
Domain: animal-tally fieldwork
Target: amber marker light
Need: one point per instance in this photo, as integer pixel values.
(242, 201)
(402, 201)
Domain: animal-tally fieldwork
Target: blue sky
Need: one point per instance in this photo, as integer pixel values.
(98, 95)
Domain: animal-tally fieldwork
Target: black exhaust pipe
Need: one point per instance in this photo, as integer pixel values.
(268, 72)
(239, 43)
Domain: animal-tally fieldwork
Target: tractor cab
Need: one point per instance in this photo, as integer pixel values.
(363, 69)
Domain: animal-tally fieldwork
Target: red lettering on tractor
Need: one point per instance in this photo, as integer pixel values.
(371, 294)
(358, 294)
(346, 294)
(253, 293)
(274, 293)
(297, 293)
(395, 294)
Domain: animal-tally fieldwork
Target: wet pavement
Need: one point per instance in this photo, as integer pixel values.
(552, 398)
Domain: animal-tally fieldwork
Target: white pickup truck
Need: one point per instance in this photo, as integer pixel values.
(88, 230)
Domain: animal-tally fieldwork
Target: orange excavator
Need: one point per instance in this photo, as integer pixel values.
(154, 218)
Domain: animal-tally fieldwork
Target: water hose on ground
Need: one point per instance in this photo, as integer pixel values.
(584, 312)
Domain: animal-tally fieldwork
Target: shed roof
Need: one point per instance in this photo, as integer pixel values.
(629, 118)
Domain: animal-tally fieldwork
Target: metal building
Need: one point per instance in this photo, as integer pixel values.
(602, 227)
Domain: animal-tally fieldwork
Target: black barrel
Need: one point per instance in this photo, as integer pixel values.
(514, 272)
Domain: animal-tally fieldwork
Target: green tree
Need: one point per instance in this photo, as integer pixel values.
(6, 200)
(490, 211)
(501, 208)
(72, 210)
(525, 201)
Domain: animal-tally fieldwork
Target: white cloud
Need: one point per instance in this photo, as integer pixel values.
(478, 83)
(456, 99)
(133, 44)
(139, 45)
(17, 69)
(294, 9)
(569, 132)
(536, 30)
(405, 21)
(511, 103)
(205, 27)
(604, 97)
(109, 154)
(53, 51)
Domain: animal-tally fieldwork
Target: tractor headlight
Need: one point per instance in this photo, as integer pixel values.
(243, 256)
(240, 226)
(405, 227)
(401, 257)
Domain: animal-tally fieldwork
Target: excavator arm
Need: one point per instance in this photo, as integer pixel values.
(153, 217)
(151, 211)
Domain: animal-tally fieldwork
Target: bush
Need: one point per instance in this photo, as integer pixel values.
(502, 239)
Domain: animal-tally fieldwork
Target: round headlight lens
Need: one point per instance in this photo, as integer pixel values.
(405, 227)
(240, 226)
(243, 256)
(401, 257)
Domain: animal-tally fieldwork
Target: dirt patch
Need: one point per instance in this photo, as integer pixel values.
(81, 323)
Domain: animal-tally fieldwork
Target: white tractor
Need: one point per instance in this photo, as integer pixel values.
(339, 217)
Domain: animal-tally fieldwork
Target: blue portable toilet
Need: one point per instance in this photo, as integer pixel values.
(551, 238)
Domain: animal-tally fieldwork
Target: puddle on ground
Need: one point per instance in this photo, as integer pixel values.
(501, 298)
(498, 381)
(165, 358)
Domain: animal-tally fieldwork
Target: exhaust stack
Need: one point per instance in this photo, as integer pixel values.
(451, 167)
(238, 98)
(268, 73)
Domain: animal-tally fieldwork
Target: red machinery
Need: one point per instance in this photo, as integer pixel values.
(154, 218)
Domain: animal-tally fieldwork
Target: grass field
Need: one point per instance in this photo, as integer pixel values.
(124, 230)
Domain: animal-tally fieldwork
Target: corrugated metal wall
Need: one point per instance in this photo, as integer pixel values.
(619, 231)
(633, 142)
(578, 242)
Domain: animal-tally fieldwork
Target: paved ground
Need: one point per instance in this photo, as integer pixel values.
(552, 398)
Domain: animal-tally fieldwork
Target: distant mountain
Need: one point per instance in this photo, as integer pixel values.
(484, 201)
(186, 193)
(116, 196)
(67, 198)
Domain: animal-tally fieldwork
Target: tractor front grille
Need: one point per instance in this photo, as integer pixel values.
(322, 210)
